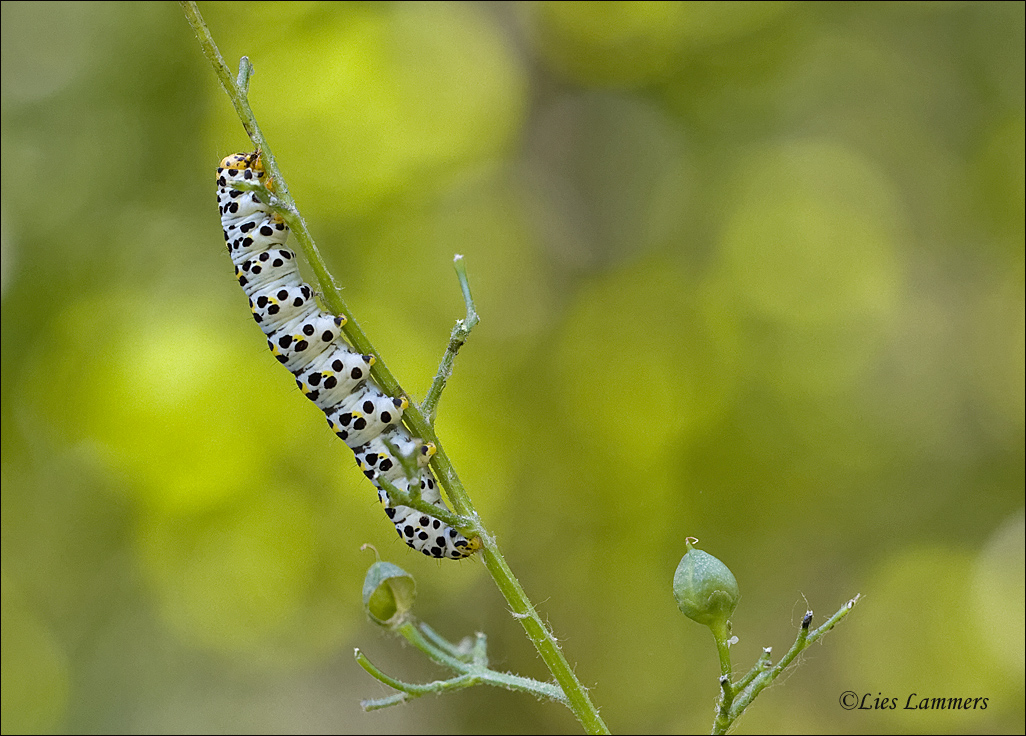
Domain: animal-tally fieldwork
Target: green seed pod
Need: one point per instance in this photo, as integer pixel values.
(388, 593)
(705, 589)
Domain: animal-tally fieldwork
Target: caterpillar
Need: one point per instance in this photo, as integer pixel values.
(329, 372)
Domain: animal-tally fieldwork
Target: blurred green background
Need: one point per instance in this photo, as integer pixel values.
(751, 272)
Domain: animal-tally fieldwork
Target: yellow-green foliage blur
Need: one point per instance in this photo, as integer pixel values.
(749, 272)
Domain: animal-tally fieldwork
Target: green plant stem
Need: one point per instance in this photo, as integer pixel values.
(379, 703)
(465, 651)
(721, 635)
(509, 586)
(542, 638)
(440, 654)
(469, 672)
(413, 634)
(457, 338)
(760, 680)
(408, 689)
(761, 666)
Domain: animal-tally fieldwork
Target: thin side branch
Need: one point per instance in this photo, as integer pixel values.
(468, 672)
(762, 675)
(407, 690)
(457, 338)
(764, 663)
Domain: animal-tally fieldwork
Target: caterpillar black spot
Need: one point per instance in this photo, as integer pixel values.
(328, 371)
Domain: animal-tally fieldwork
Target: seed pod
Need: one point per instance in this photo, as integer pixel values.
(706, 590)
(388, 593)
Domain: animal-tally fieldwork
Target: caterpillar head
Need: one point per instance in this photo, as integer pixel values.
(245, 166)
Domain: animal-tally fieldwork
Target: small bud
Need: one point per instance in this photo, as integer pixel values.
(388, 593)
(705, 589)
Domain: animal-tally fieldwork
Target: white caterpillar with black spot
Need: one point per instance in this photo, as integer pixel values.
(329, 372)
